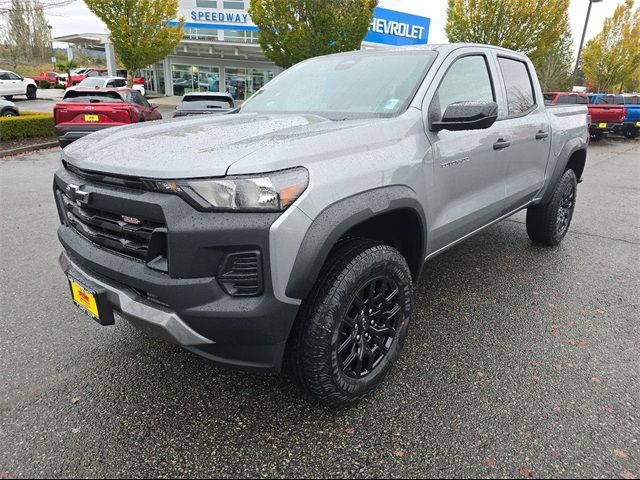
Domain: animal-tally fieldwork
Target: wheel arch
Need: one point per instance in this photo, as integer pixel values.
(392, 215)
(573, 155)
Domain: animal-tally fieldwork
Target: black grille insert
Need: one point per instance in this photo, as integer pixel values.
(240, 273)
(111, 231)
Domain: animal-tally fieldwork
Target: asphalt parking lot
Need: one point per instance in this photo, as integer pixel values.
(521, 362)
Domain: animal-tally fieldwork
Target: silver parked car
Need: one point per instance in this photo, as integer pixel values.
(8, 109)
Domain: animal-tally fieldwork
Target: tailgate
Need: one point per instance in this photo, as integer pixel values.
(92, 113)
(607, 113)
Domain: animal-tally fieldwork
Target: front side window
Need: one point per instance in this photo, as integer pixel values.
(13, 76)
(468, 80)
(520, 97)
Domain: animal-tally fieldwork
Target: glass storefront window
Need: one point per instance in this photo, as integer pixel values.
(206, 4)
(241, 83)
(194, 78)
(241, 36)
(210, 34)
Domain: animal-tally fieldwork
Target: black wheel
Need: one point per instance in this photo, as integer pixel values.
(631, 133)
(548, 224)
(9, 113)
(31, 92)
(8, 97)
(352, 327)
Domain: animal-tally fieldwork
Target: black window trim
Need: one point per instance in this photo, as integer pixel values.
(446, 72)
(535, 105)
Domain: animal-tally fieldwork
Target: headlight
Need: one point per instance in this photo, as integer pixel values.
(273, 191)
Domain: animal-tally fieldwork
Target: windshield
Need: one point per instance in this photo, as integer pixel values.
(374, 84)
(207, 101)
(91, 96)
(91, 82)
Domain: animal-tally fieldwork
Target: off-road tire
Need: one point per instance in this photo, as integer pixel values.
(31, 92)
(313, 356)
(547, 224)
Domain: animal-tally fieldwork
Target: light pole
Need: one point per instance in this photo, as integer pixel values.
(51, 45)
(584, 32)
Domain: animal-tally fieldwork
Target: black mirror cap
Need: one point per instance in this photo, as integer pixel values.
(468, 116)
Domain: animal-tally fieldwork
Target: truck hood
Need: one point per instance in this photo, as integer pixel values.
(202, 146)
(189, 147)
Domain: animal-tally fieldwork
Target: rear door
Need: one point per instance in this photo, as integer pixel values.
(527, 128)
(466, 180)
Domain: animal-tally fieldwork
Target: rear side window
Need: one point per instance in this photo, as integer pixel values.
(467, 80)
(580, 100)
(520, 97)
(631, 100)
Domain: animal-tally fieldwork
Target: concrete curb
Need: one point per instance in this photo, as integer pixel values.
(28, 148)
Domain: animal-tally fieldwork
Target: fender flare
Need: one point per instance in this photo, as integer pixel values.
(336, 219)
(563, 159)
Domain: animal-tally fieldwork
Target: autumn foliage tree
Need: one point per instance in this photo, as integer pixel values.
(139, 30)
(290, 31)
(532, 27)
(610, 60)
(555, 67)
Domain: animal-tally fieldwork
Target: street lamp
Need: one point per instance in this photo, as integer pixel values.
(51, 45)
(584, 32)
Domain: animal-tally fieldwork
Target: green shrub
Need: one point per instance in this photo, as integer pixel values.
(27, 125)
(44, 84)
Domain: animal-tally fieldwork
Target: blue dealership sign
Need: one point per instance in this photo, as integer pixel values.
(390, 27)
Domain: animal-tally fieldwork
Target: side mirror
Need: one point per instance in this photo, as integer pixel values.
(467, 116)
(154, 105)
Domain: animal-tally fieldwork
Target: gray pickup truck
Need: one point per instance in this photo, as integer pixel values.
(291, 234)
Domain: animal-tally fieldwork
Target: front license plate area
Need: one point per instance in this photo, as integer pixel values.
(91, 301)
(91, 118)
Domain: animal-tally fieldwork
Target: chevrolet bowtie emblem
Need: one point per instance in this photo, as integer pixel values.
(74, 193)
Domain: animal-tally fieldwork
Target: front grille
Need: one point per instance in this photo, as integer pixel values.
(241, 273)
(110, 231)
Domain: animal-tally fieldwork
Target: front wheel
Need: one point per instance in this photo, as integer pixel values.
(351, 329)
(548, 224)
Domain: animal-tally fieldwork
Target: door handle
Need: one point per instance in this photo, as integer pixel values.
(540, 135)
(501, 143)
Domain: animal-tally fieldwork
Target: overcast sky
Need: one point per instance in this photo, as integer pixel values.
(76, 18)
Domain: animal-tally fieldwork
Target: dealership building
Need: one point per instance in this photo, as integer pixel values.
(220, 50)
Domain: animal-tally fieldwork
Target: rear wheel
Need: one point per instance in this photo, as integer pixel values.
(351, 329)
(31, 92)
(548, 224)
(9, 113)
(631, 133)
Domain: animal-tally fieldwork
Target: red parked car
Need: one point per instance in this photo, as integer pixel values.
(50, 77)
(84, 111)
(602, 118)
(83, 73)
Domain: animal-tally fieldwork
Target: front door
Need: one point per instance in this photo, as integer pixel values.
(466, 180)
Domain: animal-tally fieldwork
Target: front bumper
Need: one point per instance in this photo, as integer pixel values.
(186, 302)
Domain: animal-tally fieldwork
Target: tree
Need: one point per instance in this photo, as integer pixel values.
(611, 58)
(554, 68)
(26, 32)
(290, 31)
(66, 66)
(139, 30)
(529, 26)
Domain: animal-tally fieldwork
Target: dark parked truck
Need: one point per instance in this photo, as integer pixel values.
(292, 232)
